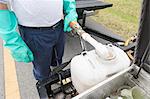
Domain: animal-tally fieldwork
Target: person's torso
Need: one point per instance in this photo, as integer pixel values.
(38, 13)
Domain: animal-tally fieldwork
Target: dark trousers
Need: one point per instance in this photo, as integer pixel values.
(47, 45)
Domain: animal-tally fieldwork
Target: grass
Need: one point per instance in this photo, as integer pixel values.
(122, 18)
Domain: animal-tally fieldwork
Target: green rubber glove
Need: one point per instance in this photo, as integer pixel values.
(12, 40)
(70, 14)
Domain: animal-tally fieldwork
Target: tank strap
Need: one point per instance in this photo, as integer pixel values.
(62, 66)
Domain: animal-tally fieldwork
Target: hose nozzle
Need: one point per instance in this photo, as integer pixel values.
(104, 51)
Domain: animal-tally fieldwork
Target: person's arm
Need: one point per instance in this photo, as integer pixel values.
(3, 6)
(70, 14)
(12, 40)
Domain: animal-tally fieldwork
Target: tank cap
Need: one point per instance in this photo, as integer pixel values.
(110, 55)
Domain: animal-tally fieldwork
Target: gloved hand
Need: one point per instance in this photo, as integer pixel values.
(12, 40)
(77, 28)
(70, 14)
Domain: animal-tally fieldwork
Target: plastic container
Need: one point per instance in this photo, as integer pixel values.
(88, 69)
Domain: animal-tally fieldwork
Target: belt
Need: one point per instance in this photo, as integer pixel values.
(51, 27)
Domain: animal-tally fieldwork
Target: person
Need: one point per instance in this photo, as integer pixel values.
(42, 31)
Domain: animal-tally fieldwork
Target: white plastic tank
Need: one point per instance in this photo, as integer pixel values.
(88, 68)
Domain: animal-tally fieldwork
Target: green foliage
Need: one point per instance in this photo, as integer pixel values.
(122, 18)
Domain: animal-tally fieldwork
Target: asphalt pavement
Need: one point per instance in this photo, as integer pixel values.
(1, 72)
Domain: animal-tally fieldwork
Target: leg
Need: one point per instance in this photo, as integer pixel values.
(41, 43)
(58, 50)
